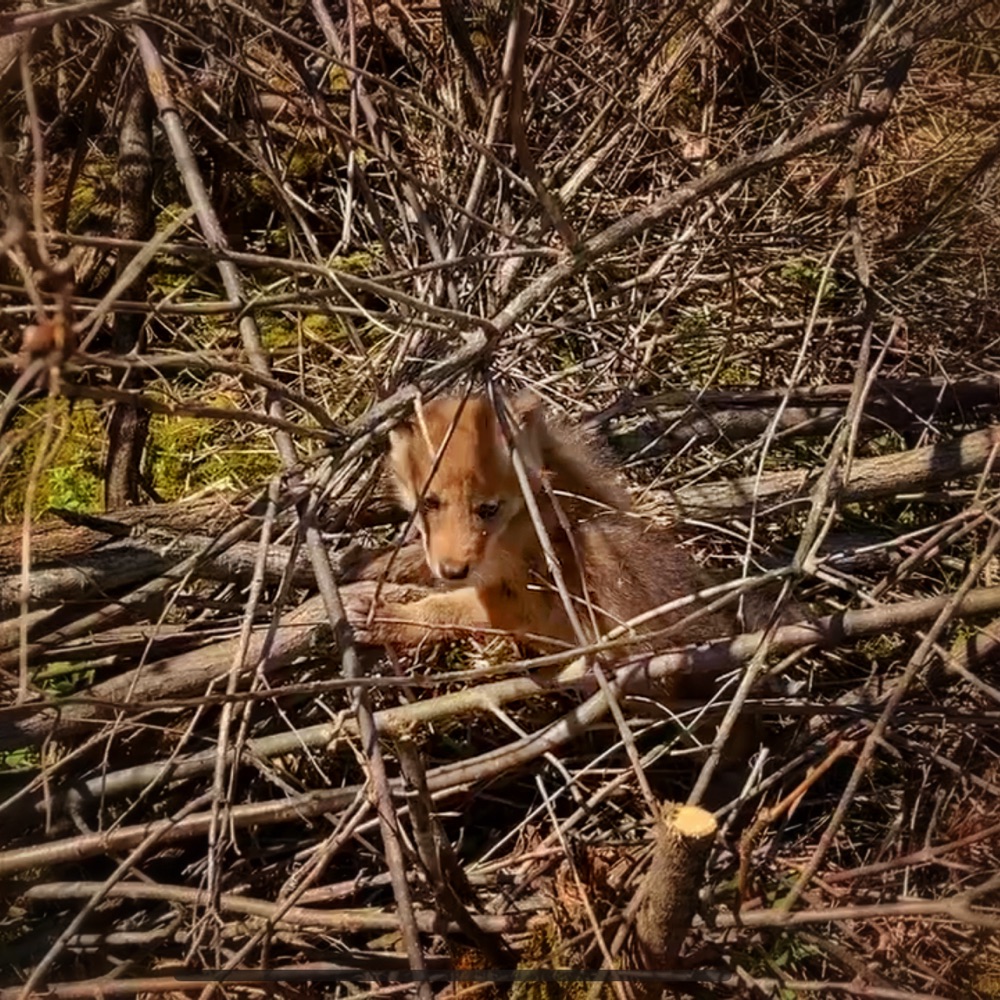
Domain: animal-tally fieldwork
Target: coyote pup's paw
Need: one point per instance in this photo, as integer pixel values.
(359, 599)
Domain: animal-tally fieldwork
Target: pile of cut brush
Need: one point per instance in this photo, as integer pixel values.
(184, 700)
(751, 247)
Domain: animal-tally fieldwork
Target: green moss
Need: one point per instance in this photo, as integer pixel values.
(884, 444)
(740, 375)
(22, 759)
(693, 324)
(328, 329)
(306, 163)
(261, 186)
(212, 331)
(187, 454)
(277, 332)
(277, 239)
(360, 262)
(810, 278)
(95, 196)
(881, 648)
(183, 454)
(82, 202)
(166, 279)
(172, 452)
(63, 679)
(696, 344)
(168, 215)
(337, 80)
(72, 478)
(565, 350)
(74, 486)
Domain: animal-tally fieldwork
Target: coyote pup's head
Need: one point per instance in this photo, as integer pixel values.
(465, 509)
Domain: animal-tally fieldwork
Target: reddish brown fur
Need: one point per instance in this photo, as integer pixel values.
(615, 566)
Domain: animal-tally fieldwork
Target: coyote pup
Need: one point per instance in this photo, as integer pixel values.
(453, 467)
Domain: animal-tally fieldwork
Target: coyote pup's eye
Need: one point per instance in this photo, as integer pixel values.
(430, 503)
(488, 510)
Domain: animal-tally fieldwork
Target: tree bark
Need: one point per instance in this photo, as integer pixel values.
(129, 424)
(869, 478)
(683, 838)
(668, 421)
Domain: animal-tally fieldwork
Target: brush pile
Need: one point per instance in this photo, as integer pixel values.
(752, 246)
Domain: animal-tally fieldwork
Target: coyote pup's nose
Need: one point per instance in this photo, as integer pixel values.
(453, 570)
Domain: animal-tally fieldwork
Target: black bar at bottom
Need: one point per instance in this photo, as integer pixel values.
(455, 975)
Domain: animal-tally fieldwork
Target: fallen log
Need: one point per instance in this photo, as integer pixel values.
(191, 673)
(129, 561)
(665, 422)
(868, 478)
(79, 557)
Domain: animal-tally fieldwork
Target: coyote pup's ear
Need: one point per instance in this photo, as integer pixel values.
(526, 405)
(401, 461)
(399, 441)
(532, 433)
(400, 433)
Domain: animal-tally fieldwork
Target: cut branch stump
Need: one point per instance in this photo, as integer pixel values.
(684, 836)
